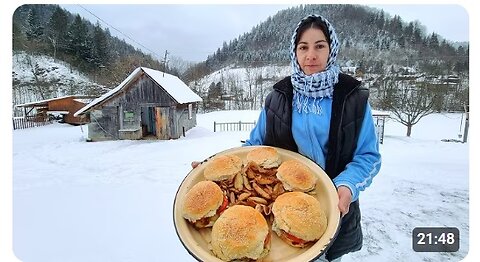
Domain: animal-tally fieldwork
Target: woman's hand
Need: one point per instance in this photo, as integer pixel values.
(194, 164)
(344, 199)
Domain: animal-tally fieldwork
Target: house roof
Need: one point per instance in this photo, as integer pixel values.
(78, 98)
(175, 87)
(380, 113)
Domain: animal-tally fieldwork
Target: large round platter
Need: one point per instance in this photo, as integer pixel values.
(197, 242)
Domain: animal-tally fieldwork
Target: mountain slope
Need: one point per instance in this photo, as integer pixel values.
(370, 39)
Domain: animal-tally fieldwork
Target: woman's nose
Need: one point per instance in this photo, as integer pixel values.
(311, 55)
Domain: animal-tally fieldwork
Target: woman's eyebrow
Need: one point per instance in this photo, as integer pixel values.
(316, 42)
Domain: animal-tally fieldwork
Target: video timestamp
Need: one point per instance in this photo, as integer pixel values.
(435, 239)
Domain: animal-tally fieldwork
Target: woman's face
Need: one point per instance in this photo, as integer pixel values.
(312, 51)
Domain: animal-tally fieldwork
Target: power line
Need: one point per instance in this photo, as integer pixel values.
(119, 31)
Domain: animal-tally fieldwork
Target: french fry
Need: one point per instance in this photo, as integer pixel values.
(267, 210)
(278, 189)
(265, 180)
(260, 191)
(251, 174)
(238, 184)
(268, 189)
(232, 197)
(259, 208)
(244, 196)
(246, 183)
(258, 200)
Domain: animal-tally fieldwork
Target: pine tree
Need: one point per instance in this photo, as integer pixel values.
(18, 38)
(57, 30)
(100, 49)
(34, 30)
(433, 41)
(78, 43)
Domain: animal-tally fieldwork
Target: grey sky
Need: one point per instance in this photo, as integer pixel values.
(193, 32)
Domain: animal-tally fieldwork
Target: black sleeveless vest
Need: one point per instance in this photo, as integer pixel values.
(348, 109)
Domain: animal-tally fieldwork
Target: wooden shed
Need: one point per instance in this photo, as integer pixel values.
(147, 104)
(64, 106)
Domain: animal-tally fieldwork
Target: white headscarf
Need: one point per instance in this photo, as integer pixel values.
(318, 85)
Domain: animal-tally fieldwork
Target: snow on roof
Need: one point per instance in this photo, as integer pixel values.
(175, 87)
(84, 100)
(58, 112)
(380, 113)
(41, 102)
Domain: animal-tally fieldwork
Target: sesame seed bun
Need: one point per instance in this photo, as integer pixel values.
(223, 167)
(241, 232)
(266, 157)
(299, 215)
(295, 176)
(202, 200)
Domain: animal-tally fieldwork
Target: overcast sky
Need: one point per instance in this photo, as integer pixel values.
(193, 32)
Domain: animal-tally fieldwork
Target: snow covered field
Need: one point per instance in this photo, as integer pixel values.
(112, 201)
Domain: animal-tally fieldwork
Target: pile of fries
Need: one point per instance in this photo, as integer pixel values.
(254, 186)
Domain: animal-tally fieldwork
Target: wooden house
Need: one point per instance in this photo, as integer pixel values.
(63, 107)
(147, 104)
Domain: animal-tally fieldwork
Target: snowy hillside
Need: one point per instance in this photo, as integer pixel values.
(250, 83)
(39, 77)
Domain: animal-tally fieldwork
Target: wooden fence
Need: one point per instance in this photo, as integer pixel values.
(233, 126)
(22, 122)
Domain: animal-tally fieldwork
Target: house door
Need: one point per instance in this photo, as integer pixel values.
(161, 115)
(148, 121)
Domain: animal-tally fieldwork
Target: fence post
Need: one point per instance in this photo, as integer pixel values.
(214, 126)
(239, 125)
(465, 130)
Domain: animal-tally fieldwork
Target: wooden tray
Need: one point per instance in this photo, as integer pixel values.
(197, 242)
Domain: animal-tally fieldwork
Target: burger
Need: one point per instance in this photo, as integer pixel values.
(223, 167)
(295, 176)
(241, 233)
(298, 219)
(264, 157)
(203, 204)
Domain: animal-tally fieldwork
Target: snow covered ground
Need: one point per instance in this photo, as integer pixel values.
(112, 201)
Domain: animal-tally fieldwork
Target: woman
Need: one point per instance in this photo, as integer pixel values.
(325, 116)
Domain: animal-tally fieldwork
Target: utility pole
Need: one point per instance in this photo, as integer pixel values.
(165, 63)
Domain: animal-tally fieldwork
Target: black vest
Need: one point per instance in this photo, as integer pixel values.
(348, 109)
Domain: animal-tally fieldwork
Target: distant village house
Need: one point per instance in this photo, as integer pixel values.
(147, 104)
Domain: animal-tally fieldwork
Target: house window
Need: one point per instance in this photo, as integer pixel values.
(190, 111)
(128, 116)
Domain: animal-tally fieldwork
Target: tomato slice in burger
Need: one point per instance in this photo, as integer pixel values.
(295, 239)
(223, 206)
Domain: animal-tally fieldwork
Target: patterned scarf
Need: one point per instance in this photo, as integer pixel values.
(318, 85)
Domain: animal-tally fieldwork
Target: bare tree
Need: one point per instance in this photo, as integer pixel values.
(250, 80)
(409, 100)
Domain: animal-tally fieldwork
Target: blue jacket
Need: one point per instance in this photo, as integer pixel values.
(310, 132)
